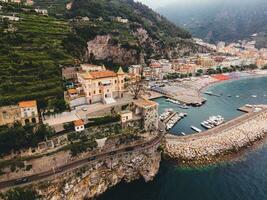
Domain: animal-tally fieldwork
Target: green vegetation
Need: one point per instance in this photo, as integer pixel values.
(81, 147)
(31, 53)
(20, 137)
(103, 120)
(21, 194)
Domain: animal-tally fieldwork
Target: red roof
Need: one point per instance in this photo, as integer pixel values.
(27, 104)
(78, 123)
(102, 74)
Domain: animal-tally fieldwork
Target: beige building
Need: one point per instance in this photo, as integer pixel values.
(29, 112)
(25, 112)
(126, 116)
(148, 110)
(102, 86)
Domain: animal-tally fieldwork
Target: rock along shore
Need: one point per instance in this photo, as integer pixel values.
(208, 146)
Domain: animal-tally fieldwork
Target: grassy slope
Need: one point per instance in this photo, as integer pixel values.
(30, 59)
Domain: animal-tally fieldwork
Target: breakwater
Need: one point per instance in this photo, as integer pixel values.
(227, 138)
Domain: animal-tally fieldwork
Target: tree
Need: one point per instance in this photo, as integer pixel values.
(21, 194)
(136, 87)
(200, 71)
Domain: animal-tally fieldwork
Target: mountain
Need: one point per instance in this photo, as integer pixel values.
(118, 32)
(220, 20)
(146, 34)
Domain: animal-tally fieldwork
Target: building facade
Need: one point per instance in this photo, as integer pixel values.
(102, 86)
(25, 112)
(148, 110)
(29, 112)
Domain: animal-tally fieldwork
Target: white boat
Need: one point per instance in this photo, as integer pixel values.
(184, 106)
(183, 133)
(254, 96)
(196, 129)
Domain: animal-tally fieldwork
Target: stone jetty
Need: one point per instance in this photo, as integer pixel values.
(227, 138)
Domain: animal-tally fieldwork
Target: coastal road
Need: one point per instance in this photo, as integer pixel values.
(90, 159)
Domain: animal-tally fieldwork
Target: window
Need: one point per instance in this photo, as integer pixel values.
(89, 94)
(5, 115)
(100, 91)
(99, 83)
(121, 81)
(94, 91)
(115, 81)
(107, 90)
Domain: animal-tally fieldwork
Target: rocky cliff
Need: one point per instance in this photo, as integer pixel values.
(92, 180)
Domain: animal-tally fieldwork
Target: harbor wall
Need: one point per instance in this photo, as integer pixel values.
(208, 146)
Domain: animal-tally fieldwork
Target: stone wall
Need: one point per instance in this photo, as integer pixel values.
(208, 147)
(150, 118)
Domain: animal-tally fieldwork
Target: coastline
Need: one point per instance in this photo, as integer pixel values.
(210, 146)
(202, 150)
(215, 83)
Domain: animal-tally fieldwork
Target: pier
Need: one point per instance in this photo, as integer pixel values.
(230, 136)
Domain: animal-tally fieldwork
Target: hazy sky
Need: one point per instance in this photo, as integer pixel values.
(158, 3)
(162, 3)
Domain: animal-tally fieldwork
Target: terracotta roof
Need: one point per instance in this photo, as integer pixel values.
(78, 122)
(27, 104)
(145, 103)
(72, 91)
(155, 65)
(102, 74)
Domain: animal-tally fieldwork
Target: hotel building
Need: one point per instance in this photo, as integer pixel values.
(102, 86)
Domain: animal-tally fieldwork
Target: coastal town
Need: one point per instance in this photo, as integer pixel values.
(109, 128)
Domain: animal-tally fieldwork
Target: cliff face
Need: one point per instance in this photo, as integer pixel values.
(104, 48)
(93, 180)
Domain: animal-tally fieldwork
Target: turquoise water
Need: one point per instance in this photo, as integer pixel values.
(239, 180)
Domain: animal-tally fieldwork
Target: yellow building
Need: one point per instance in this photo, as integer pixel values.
(102, 86)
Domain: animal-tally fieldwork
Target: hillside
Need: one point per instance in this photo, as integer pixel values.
(145, 35)
(220, 20)
(31, 51)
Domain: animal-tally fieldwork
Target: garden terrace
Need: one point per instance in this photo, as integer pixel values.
(31, 51)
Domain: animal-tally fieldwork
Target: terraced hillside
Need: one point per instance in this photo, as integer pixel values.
(31, 52)
(55, 7)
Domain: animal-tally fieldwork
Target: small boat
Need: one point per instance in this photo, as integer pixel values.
(183, 133)
(237, 96)
(254, 96)
(196, 129)
(183, 106)
(229, 96)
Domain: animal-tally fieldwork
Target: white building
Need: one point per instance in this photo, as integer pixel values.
(29, 112)
(79, 125)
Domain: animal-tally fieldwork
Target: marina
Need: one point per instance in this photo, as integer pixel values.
(171, 118)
